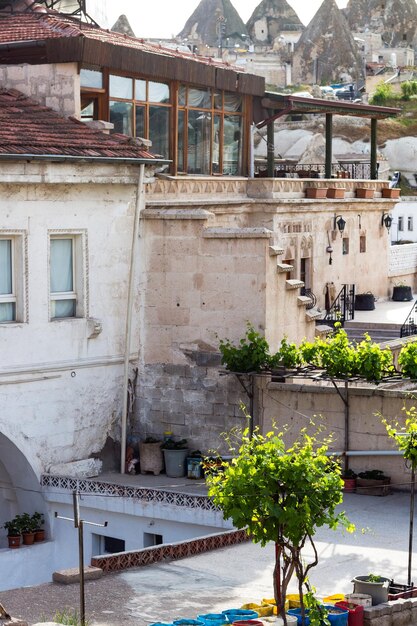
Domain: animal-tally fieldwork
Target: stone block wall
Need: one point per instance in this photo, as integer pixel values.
(54, 85)
(397, 613)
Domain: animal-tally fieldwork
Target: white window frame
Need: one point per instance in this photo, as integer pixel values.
(17, 296)
(410, 223)
(400, 223)
(79, 274)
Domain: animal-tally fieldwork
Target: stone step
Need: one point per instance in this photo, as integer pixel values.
(322, 330)
(303, 300)
(72, 575)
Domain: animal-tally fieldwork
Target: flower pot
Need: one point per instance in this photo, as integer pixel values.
(364, 302)
(150, 458)
(175, 462)
(377, 590)
(39, 535)
(194, 468)
(402, 293)
(316, 192)
(234, 615)
(337, 615)
(349, 485)
(372, 487)
(297, 614)
(355, 613)
(390, 193)
(336, 192)
(211, 619)
(362, 192)
(14, 541)
(28, 539)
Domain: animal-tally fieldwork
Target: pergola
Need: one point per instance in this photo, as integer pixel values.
(275, 105)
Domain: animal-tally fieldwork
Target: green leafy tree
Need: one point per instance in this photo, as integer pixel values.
(282, 495)
(250, 355)
(407, 360)
(383, 93)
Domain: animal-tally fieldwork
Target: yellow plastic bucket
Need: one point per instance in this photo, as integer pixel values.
(336, 597)
(262, 610)
(271, 603)
(294, 600)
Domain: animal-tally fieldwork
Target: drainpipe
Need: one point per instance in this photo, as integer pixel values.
(130, 299)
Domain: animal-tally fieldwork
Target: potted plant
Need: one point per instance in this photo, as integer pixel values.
(349, 481)
(388, 192)
(38, 521)
(373, 483)
(175, 454)
(336, 192)
(150, 456)
(402, 293)
(28, 527)
(372, 585)
(364, 301)
(14, 532)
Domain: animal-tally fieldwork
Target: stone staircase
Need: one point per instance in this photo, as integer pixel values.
(378, 332)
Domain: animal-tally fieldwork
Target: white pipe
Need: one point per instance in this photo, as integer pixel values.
(364, 453)
(130, 300)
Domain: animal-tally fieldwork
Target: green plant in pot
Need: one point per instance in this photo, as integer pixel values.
(38, 521)
(14, 532)
(372, 585)
(373, 483)
(349, 481)
(28, 526)
(175, 455)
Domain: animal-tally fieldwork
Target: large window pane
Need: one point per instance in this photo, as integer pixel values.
(199, 138)
(215, 159)
(121, 87)
(6, 280)
(61, 267)
(180, 155)
(140, 90)
(121, 117)
(199, 98)
(91, 78)
(7, 312)
(232, 102)
(232, 144)
(158, 92)
(61, 270)
(159, 130)
(182, 95)
(140, 121)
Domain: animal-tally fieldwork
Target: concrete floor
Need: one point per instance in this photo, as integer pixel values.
(232, 576)
(386, 312)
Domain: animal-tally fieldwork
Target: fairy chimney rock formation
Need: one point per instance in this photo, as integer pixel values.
(326, 51)
(270, 18)
(122, 26)
(395, 20)
(212, 17)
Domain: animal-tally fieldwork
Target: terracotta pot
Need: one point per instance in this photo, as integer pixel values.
(362, 192)
(373, 487)
(335, 192)
(14, 541)
(390, 193)
(39, 535)
(316, 192)
(28, 538)
(349, 485)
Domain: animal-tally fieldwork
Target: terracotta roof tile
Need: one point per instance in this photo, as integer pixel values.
(31, 26)
(26, 127)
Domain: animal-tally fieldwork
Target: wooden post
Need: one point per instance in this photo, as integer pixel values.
(374, 162)
(329, 147)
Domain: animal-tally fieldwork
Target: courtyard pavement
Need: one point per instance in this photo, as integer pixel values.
(232, 576)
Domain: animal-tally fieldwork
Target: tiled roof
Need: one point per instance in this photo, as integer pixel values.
(30, 26)
(27, 127)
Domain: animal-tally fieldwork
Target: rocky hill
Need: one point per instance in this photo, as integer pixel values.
(203, 24)
(395, 20)
(326, 50)
(270, 18)
(123, 26)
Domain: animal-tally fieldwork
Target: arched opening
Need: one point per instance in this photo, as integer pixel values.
(20, 491)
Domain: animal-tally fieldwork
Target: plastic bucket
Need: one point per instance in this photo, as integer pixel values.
(359, 599)
(248, 622)
(336, 615)
(291, 619)
(234, 615)
(265, 610)
(336, 597)
(211, 619)
(377, 590)
(184, 621)
(355, 613)
(294, 600)
(297, 613)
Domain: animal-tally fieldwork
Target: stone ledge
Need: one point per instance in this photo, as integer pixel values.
(395, 613)
(72, 575)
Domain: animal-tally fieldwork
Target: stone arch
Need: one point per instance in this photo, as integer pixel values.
(20, 490)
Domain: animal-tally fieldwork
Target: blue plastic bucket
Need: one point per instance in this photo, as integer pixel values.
(338, 618)
(212, 619)
(297, 613)
(235, 615)
(185, 621)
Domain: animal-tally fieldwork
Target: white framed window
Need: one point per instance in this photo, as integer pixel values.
(7, 281)
(67, 288)
(410, 223)
(400, 223)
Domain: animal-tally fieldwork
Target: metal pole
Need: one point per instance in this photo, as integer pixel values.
(410, 538)
(81, 561)
(346, 424)
(329, 147)
(374, 138)
(251, 404)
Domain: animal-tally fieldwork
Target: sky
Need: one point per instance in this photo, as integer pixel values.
(172, 14)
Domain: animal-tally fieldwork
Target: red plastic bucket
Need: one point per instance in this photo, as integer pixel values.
(248, 622)
(355, 612)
